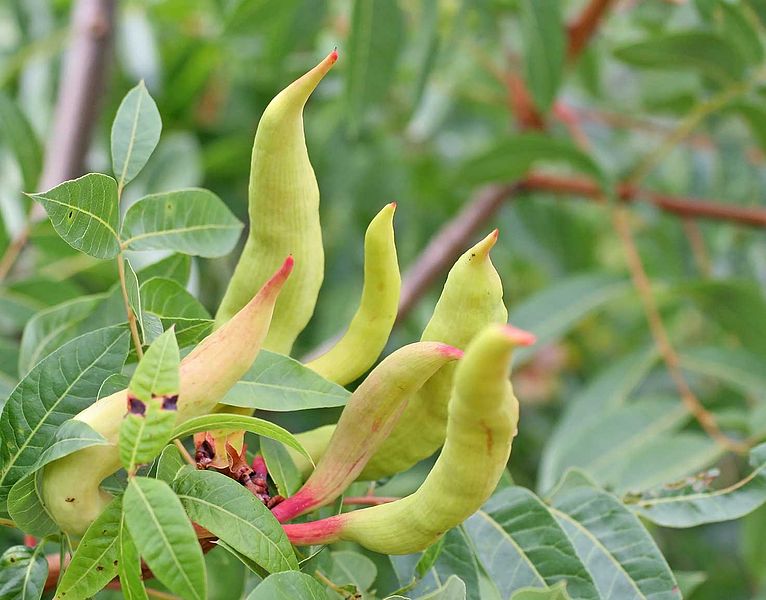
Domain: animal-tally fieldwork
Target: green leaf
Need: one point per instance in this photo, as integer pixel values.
(352, 568)
(688, 507)
(619, 553)
(230, 422)
(17, 134)
(134, 298)
(22, 573)
(85, 213)
(291, 585)
(557, 592)
(56, 389)
(129, 564)
(26, 508)
(281, 467)
(230, 511)
(170, 463)
(604, 448)
(688, 581)
(755, 116)
(135, 133)
(94, 563)
(25, 503)
(733, 305)
(73, 435)
(193, 221)
(736, 367)
(227, 576)
(544, 41)
(511, 158)
(169, 302)
(20, 300)
(453, 589)
(52, 327)
(520, 544)
(280, 383)
(603, 394)
(739, 29)
(452, 555)
(374, 42)
(553, 312)
(703, 51)
(158, 372)
(428, 558)
(152, 398)
(176, 267)
(116, 382)
(164, 537)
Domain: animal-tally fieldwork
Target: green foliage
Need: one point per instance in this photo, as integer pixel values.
(280, 383)
(135, 133)
(56, 389)
(85, 213)
(164, 536)
(152, 397)
(236, 516)
(632, 498)
(22, 573)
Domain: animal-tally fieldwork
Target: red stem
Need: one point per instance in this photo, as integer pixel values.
(582, 29)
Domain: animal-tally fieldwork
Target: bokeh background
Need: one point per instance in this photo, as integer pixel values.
(440, 105)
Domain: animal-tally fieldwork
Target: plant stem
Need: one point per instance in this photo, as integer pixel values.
(131, 317)
(7, 523)
(662, 339)
(184, 452)
(333, 586)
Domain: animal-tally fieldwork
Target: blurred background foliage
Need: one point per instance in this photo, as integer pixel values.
(424, 107)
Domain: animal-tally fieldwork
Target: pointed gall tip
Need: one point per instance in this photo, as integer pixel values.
(393, 205)
(333, 56)
(450, 352)
(519, 337)
(286, 268)
(481, 250)
(279, 277)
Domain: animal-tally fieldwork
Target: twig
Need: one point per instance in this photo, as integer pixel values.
(76, 113)
(333, 586)
(661, 337)
(449, 243)
(522, 104)
(13, 251)
(681, 206)
(368, 500)
(455, 236)
(582, 29)
(129, 311)
(697, 244)
(184, 452)
(7, 523)
(82, 81)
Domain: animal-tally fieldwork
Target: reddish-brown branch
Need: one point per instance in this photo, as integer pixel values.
(457, 234)
(582, 29)
(527, 115)
(449, 243)
(80, 90)
(681, 206)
